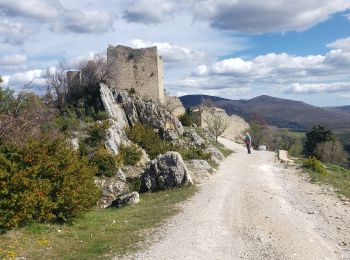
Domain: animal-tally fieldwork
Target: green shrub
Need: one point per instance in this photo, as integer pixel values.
(44, 181)
(146, 138)
(97, 133)
(102, 115)
(105, 162)
(186, 120)
(315, 165)
(129, 155)
(193, 153)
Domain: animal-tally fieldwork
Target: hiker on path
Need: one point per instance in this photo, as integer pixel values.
(248, 142)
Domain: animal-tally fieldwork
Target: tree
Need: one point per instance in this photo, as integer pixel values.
(57, 85)
(216, 124)
(1, 80)
(331, 152)
(318, 134)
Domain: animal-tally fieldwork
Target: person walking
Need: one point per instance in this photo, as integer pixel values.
(248, 142)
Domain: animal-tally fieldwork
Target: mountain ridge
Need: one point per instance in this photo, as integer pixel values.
(285, 113)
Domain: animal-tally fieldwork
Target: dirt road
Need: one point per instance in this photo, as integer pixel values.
(253, 208)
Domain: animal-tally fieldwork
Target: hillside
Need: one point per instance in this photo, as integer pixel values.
(278, 112)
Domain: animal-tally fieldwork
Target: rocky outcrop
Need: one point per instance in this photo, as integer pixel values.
(216, 155)
(174, 106)
(199, 169)
(149, 113)
(128, 110)
(166, 171)
(195, 139)
(126, 200)
(111, 187)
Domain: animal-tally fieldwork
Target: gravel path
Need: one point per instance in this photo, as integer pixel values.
(253, 208)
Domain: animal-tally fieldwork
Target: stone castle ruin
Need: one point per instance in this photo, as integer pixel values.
(137, 69)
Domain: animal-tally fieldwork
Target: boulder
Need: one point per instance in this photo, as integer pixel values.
(216, 155)
(166, 171)
(200, 169)
(195, 139)
(283, 156)
(111, 187)
(125, 200)
(262, 148)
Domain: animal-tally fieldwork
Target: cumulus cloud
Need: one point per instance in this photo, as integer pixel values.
(343, 44)
(316, 88)
(301, 74)
(81, 21)
(13, 32)
(173, 54)
(42, 10)
(149, 11)
(13, 62)
(19, 80)
(254, 16)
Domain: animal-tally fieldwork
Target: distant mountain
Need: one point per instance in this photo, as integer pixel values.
(343, 110)
(278, 112)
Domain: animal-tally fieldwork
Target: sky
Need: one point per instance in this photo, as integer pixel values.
(237, 49)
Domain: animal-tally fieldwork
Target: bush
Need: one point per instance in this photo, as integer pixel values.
(146, 138)
(105, 162)
(44, 181)
(129, 155)
(331, 152)
(97, 133)
(315, 165)
(193, 153)
(186, 120)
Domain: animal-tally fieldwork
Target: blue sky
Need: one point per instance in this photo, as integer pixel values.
(236, 49)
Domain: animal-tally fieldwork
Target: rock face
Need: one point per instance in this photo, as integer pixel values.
(149, 113)
(128, 110)
(125, 200)
(166, 171)
(174, 105)
(111, 187)
(195, 139)
(200, 169)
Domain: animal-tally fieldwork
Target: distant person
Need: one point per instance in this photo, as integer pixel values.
(248, 142)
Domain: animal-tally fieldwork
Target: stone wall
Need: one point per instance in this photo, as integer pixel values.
(140, 69)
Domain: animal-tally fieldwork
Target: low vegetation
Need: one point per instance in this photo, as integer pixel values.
(97, 234)
(44, 181)
(329, 174)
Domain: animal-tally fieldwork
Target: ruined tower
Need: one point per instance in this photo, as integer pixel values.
(140, 69)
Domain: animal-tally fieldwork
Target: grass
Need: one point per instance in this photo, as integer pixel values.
(101, 233)
(337, 176)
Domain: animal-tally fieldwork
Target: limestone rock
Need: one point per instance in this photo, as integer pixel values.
(174, 106)
(149, 113)
(262, 148)
(166, 171)
(111, 187)
(125, 200)
(195, 139)
(216, 155)
(200, 169)
(283, 156)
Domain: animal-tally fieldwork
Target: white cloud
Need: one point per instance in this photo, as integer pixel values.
(13, 32)
(316, 88)
(42, 10)
(343, 44)
(255, 16)
(18, 80)
(149, 11)
(172, 53)
(13, 62)
(81, 21)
